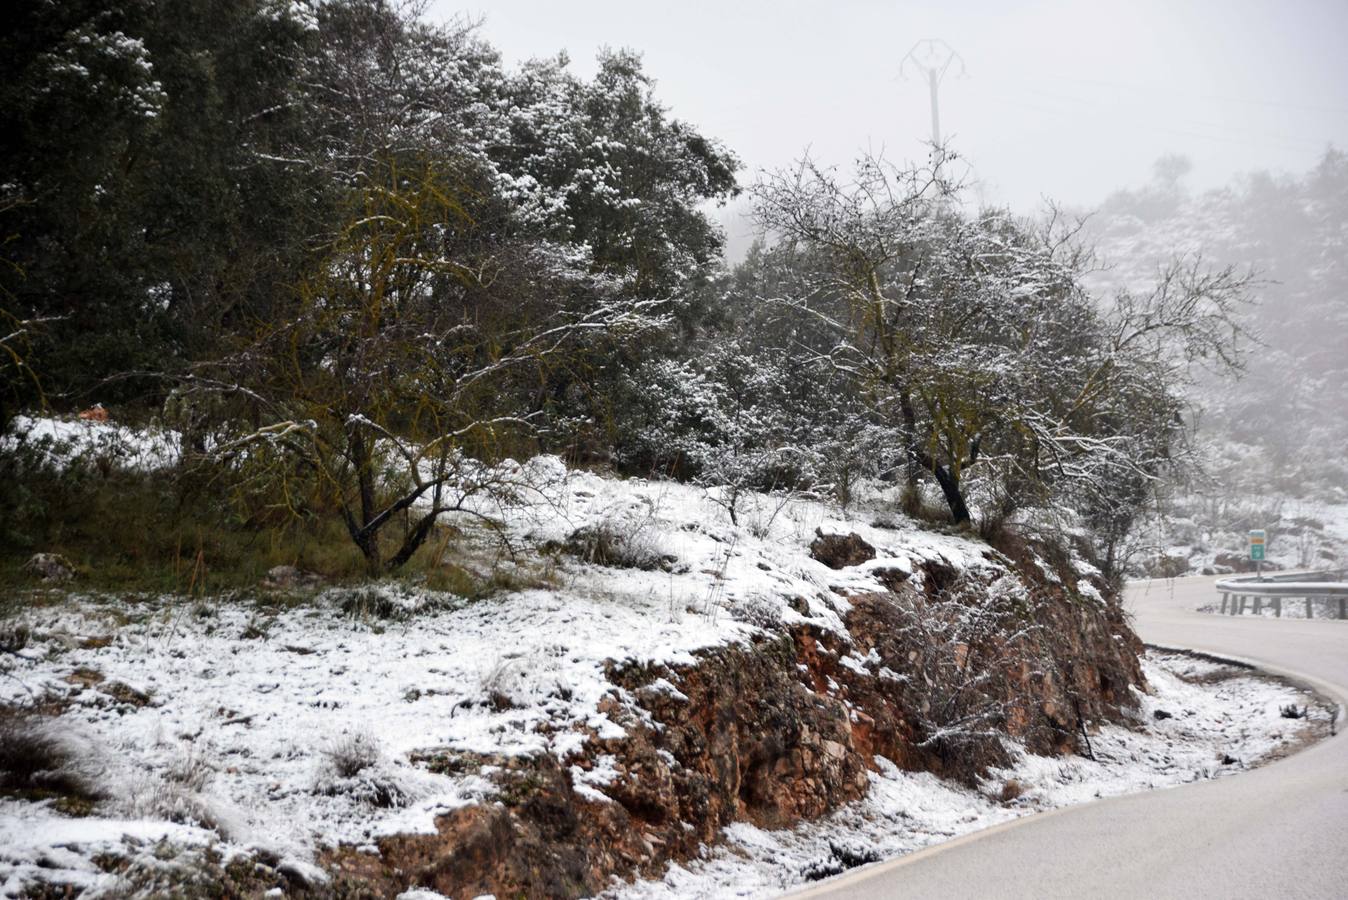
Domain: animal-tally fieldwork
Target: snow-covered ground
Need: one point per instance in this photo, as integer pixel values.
(231, 714)
(233, 723)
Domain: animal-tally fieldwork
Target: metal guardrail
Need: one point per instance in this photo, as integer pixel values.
(1310, 586)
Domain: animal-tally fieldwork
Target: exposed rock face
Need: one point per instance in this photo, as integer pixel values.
(782, 731)
(50, 567)
(838, 551)
(749, 740)
(529, 845)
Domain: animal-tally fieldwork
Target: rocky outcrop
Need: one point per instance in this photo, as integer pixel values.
(929, 674)
(838, 551)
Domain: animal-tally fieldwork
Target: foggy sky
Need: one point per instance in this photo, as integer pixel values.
(1069, 100)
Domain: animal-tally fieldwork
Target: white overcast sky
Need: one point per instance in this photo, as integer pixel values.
(1069, 100)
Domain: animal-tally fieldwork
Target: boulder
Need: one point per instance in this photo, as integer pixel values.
(838, 551)
(50, 567)
(892, 578)
(287, 578)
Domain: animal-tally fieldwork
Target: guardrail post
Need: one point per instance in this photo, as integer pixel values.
(1270, 591)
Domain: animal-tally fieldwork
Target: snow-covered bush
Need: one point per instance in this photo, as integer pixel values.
(35, 755)
(56, 476)
(961, 637)
(761, 612)
(354, 766)
(618, 544)
(352, 754)
(386, 600)
(152, 797)
(743, 418)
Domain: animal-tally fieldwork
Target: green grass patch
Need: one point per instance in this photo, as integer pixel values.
(131, 532)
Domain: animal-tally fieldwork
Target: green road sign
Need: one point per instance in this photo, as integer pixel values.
(1258, 540)
(1256, 552)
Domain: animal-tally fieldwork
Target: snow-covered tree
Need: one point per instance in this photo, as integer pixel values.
(403, 374)
(602, 163)
(973, 337)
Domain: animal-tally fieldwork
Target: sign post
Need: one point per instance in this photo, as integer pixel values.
(1258, 540)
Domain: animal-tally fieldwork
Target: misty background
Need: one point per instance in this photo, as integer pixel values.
(1064, 100)
(1201, 128)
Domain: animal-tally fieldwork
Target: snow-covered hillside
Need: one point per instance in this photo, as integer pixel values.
(280, 724)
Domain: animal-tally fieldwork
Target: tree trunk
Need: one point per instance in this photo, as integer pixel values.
(950, 487)
(366, 541)
(911, 498)
(369, 548)
(361, 455)
(413, 542)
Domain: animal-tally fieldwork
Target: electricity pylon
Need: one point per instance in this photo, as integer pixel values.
(933, 57)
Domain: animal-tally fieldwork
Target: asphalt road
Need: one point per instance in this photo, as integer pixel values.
(1280, 831)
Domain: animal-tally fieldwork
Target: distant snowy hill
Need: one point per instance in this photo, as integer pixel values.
(1274, 439)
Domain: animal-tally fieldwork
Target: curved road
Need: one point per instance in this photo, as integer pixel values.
(1280, 831)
